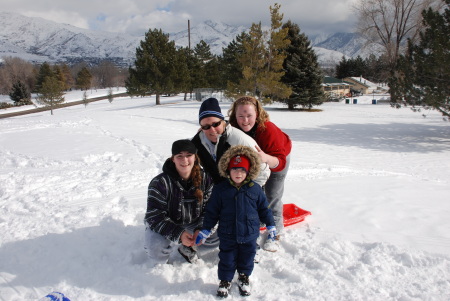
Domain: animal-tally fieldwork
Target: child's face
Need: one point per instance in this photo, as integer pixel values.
(238, 175)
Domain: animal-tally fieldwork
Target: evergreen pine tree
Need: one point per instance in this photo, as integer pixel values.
(303, 74)
(57, 71)
(44, 72)
(343, 68)
(271, 86)
(212, 71)
(51, 93)
(230, 65)
(203, 56)
(110, 95)
(20, 94)
(253, 61)
(353, 67)
(155, 67)
(182, 78)
(262, 61)
(191, 63)
(84, 79)
(423, 75)
(376, 69)
(69, 80)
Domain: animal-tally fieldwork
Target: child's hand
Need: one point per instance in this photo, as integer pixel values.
(272, 232)
(202, 236)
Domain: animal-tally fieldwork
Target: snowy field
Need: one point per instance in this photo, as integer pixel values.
(73, 192)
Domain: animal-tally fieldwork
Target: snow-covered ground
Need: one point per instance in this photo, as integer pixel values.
(73, 195)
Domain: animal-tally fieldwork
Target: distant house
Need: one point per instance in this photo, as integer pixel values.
(335, 88)
(362, 85)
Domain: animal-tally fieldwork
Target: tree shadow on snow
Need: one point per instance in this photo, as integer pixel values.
(107, 258)
(393, 137)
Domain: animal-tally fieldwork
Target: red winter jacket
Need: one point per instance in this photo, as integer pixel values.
(274, 142)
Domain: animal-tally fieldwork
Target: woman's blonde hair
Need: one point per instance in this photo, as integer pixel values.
(262, 115)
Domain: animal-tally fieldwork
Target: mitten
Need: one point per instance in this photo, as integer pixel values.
(272, 232)
(202, 236)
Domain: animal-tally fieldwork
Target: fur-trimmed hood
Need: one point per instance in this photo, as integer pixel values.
(234, 150)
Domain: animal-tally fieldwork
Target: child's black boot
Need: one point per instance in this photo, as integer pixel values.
(244, 285)
(224, 288)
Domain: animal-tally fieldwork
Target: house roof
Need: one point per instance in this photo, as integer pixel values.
(332, 81)
(361, 80)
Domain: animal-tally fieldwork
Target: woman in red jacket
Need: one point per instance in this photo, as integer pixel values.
(247, 114)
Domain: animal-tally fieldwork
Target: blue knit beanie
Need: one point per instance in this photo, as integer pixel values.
(210, 108)
(54, 296)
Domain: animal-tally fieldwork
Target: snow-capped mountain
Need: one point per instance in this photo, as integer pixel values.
(216, 35)
(39, 40)
(350, 44)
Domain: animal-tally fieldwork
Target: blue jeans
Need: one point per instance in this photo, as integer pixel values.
(274, 190)
(159, 248)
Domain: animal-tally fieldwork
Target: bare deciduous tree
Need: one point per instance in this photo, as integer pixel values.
(105, 75)
(14, 69)
(391, 23)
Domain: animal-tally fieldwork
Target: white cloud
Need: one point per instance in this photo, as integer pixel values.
(60, 16)
(137, 16)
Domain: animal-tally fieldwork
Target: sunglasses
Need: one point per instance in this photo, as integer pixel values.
(208, 126)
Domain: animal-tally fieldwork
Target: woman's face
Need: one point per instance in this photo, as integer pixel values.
(184, 162)
(212, 127)
(246, 116)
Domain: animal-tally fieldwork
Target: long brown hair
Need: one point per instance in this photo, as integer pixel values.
(262, 115)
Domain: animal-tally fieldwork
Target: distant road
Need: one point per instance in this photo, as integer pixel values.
(68, 104)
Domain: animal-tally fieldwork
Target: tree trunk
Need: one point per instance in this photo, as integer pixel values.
(158, 102)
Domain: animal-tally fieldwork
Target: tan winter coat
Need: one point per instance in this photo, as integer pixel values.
(235, 150)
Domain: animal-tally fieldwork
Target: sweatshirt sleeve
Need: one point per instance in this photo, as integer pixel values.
(157, 216)
(274, 142)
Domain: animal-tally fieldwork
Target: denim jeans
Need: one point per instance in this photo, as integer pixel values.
(274, 190)
(159, 248)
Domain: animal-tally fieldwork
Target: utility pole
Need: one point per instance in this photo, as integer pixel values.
(189, 34)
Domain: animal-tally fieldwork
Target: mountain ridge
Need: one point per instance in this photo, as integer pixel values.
(37, 40)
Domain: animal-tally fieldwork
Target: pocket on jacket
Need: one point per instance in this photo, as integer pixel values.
(226, 226)
(252, 223)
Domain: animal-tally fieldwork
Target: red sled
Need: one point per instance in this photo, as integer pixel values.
(292, 215)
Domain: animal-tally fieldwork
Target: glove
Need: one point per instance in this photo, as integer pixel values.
(272, 232)
(202, 236)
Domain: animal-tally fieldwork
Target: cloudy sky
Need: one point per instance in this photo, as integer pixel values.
(137, 16)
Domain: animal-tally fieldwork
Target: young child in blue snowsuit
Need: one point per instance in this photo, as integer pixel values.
(238, 205)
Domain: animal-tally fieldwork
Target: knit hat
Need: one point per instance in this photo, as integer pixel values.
(210, 108)
(185, 145)
(54, 296)
(239, 161)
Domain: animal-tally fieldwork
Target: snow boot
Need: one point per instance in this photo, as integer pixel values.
(224, 288)
(244, 285)
(188, 253)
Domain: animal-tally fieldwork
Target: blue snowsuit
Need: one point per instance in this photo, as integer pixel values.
(238, 211)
